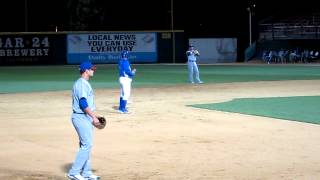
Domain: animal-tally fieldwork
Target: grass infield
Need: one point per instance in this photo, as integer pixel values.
(299, 108)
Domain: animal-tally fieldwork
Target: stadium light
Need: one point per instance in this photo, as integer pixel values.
(250, 9)
(173, 34)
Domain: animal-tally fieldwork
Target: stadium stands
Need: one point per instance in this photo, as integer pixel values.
(289, 38)
(302, 26)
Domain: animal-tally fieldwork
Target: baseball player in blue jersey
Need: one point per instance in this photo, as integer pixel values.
(83, 120)
(192, 64)
(125, 79)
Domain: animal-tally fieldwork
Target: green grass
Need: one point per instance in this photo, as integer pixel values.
(300, 108)
(14, 79)
(51, 78)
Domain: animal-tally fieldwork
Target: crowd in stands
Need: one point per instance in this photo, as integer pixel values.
(290, 56)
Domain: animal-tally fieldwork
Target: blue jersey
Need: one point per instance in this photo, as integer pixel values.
(124, 68)
(82, 89)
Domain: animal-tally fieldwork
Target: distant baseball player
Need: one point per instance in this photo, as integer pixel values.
(83, 120)
(125, 79)
(192, 65)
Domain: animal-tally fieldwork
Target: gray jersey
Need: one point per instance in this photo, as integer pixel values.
(191, 56)
(82, 89)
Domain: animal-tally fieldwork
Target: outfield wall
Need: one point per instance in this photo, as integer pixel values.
(145, 47)
(30, 49)
(97, 47)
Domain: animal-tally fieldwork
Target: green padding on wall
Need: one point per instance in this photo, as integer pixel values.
(300, 108)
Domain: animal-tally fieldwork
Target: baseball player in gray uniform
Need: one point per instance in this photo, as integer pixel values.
(192, 64)
(83, 119)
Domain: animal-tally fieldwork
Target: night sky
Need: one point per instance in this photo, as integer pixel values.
(224, 18)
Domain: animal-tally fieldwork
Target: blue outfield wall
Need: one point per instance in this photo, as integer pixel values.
(97, 47)
(106, 47)
(111, 58)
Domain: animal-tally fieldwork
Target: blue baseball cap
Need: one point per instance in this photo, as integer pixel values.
(86, 65)
(124, 54)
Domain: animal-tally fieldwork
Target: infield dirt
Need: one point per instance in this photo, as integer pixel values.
(162, 138)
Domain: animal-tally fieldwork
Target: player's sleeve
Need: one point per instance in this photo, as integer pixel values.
(83, 104)
(127, 69)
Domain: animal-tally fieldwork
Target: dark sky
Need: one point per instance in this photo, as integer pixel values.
(115, 15)
(200, 17)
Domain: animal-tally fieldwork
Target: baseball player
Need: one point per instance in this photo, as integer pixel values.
(83, 119)
(192, 65)
(125, 79)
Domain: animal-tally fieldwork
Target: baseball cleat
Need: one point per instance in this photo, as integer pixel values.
(123, 111)
(92, 177)
(75, 177)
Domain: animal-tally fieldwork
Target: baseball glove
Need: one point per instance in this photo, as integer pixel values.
(103, 122)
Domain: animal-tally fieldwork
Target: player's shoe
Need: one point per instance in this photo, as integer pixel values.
(123, 111)
(92, 177)
(200, 82)
(75, 177)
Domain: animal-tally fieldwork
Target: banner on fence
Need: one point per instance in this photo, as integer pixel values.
(216, 50)
(27, 49)
(106, 47)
